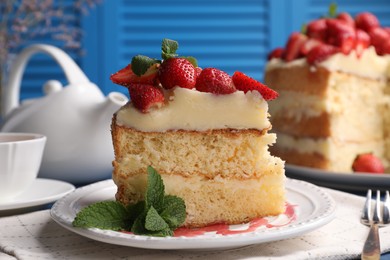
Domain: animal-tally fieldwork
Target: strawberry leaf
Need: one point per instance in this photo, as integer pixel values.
(140, 64)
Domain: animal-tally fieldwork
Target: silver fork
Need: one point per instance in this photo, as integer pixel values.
(381, 217)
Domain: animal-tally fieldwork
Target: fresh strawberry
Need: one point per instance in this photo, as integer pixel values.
(346, 17)
(317, 29)
(320, 53)
(367, 162)
(341, 34)
(275, 53)
(145, 96)
(198, 70)
(246, 83)
(215, 81)
(294, 45)
(387, 29)
(308, 45)
(366, 21)
(385, 48)
(378, 37)
(362, 42)
(177, 72)
(126, 76)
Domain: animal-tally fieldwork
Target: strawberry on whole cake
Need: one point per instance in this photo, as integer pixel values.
(205, 132)
(333, 84)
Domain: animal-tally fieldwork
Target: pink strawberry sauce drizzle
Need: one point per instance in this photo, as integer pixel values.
(224, 229)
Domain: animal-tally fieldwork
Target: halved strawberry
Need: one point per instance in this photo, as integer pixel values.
(362, 42)
(145, 96)
(275, 53)
(341, 34)
(215, 81)
(293, 46)
(366, 21)
(246, 83)
(317, 29)
(367, 163)
(320, 53)
(308, 45)
(177, 72)
(126, 76)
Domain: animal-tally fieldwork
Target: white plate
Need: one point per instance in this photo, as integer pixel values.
(339, 180)
(41, 191)
(309, 208)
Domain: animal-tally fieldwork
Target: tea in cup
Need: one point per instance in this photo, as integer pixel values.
(20, 160)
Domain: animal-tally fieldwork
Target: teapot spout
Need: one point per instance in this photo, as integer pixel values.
(114, 101)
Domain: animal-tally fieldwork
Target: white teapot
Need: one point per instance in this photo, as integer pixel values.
(75, 119)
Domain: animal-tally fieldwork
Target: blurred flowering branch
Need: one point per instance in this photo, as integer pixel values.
(24, 21)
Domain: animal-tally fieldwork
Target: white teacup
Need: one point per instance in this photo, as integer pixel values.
(20, 160)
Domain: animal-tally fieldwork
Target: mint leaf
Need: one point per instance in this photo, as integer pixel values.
(154, 222)
(140, 64)
(138, 227)
(332, 12)
(169, 48)
(104, 215)
(155, 190)
(157, 215)
(193, 60)
(135, 210)
(174, 212)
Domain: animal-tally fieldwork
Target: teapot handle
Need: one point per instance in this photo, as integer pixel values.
(72, 72)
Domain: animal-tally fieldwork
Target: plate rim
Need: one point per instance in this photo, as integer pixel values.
(218, 241)
(15, 204)
(339, 180)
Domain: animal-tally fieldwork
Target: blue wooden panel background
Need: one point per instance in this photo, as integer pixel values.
(227, 34)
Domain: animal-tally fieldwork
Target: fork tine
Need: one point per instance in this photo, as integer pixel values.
(386, 209)
(366, 214)
(377, 210)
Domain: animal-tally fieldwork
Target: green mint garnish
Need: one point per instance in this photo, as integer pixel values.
(192, 60)
(168, 49)
(332, 12)
(140, 64)
(104, 215)
(158, 215)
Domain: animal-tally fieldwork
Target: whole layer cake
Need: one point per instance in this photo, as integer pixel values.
(333, 86)
(208, 140)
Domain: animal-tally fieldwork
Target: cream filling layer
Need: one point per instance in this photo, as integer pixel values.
(189, 109)
(296, 105)
(339, 153)
(369, 64)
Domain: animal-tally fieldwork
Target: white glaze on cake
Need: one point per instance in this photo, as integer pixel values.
(189, 109)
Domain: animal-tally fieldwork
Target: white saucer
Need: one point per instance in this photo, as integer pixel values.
(41, 192)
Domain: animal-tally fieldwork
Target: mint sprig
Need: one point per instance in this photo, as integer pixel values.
(157, 215)
(169, 48)
(140, 64)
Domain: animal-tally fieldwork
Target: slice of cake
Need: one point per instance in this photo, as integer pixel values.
(333, 84)
(205, 132)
